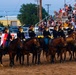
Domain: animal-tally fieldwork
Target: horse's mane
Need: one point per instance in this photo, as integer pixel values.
(29, 39)
(56, 41)
(13, 41)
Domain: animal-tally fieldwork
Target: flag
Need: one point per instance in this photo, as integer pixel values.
(4, 38)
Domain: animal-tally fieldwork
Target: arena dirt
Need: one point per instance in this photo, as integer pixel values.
(66, 68)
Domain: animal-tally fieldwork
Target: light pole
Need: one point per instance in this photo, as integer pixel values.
(48, 8)
(38, 8)
(6, 17)
(64, 2)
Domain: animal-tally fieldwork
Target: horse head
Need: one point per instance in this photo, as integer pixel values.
(36, 42)
(63, 41)
(19, 42)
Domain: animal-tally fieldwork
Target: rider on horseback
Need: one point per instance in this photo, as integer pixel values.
(55, 32)
(46, 35)
(61, 32)
(46, 32)
(70, 29)
(20, 34)
(31, 32)
(8, 37)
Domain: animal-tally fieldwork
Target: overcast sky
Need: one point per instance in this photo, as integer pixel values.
(13, 6)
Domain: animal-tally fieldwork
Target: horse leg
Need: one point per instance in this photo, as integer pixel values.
(17, 57)
(52, 60)
(0, 58)
(39, 58)
(22, 59)
(60, 57)
(11, 59)
(65, 54)
(73, 54)
(27, 59)
(70, 55)
(33, 58)
(36, 58)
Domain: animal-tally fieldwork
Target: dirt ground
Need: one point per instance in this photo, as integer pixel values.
(46, 68)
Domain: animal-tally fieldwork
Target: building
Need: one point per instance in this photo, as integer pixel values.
(10, 20)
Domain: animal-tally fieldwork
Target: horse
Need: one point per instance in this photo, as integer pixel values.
(57, 45)
(44, 43)
(11, 50)
(71, 44)
(31, 46)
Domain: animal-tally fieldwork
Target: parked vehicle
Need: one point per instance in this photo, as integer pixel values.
(36, 30)
(1, 29)
(13, 29)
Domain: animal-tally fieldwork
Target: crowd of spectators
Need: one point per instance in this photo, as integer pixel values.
(64, 17)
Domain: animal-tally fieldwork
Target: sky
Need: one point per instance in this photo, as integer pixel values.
(11, 7)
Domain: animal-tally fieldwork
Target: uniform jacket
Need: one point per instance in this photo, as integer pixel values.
(69, 30)
(55, 33)
(61, 33)
(46, 33)
(20, 35)
(31, 33)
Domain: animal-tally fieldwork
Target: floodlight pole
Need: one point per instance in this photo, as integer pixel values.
(48, 8)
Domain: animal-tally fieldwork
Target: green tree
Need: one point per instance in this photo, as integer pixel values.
(28, 14)
(1, 24)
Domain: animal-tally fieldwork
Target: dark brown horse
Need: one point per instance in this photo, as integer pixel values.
(31, 46)
(11, 50)
(44, 46)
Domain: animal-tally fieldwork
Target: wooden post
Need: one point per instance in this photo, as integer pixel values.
(40, 10)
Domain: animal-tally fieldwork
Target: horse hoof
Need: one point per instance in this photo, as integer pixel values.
(11, 65)
(52, 62)
(39, 63)
(22, 64)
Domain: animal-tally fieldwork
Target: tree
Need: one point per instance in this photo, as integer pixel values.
(1, 24)
(28, 14)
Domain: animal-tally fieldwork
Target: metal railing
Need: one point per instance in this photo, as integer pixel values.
(46, 18)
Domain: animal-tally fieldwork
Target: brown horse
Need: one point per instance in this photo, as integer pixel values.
(44, 47)
(11, 50)
(31, 46)
(71, 44)
(56, 46)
